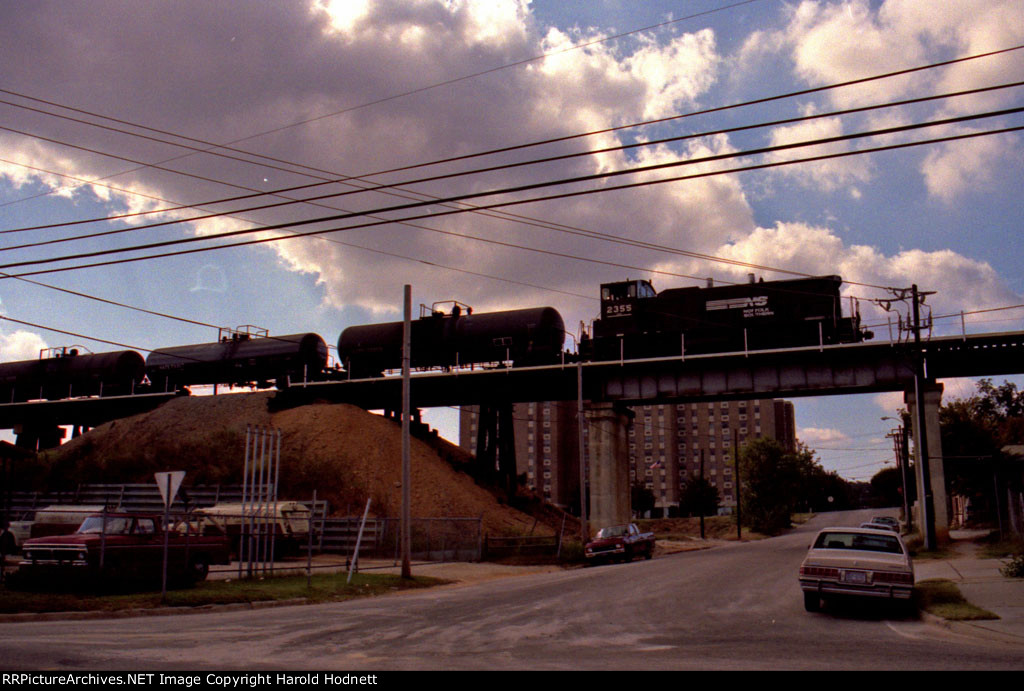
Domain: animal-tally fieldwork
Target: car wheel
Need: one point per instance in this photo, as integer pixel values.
(649, 553)
(812, 602)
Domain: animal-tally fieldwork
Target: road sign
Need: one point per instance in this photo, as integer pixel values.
(168, 484)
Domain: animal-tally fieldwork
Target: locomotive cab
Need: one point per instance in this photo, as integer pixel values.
(620, 299)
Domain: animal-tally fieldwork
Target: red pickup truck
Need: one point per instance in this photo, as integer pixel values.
(622, 542)
(120, 548)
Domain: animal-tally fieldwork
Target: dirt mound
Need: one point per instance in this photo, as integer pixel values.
(343, 452)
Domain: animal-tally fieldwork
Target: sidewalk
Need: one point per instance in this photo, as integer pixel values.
(981, 584)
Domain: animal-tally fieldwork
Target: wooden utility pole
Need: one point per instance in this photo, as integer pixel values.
(406, 460)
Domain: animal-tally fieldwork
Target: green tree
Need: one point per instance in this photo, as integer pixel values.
(974, 430)
(770, 482)
(698, 497)
(775, 483)
(887, 487)
(642, 499)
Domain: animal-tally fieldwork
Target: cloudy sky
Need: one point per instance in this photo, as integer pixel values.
(113, 107)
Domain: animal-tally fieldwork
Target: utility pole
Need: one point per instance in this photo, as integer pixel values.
(581, 419)
(702, 486)
(406, 461)
(899, 448)
(736, 473)
(920, 367)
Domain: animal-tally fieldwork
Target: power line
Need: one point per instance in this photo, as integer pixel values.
(564, 181)
(112, 302)
(526, 201)
(228, 145)
(447, 176)
(603, 236)
(71, 333)
(325, 239)
(343, 179)
(700, 255)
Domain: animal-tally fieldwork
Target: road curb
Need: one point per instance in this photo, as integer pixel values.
(148, 612)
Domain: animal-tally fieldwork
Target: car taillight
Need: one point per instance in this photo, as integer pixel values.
(819, 572)
(891, 577)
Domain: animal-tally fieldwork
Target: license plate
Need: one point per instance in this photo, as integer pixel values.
(859, 577)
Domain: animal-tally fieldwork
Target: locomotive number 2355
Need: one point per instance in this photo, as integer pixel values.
(618, 310)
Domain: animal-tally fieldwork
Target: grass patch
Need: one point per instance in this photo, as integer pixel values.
(942, 598)
(715, 527)
(994, 548)
(322, 588)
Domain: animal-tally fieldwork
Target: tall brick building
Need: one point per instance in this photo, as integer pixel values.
(665, 444)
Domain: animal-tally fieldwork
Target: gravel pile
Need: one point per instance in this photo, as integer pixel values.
(347, 454)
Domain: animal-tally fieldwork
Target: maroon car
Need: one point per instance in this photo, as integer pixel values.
(622, 542)
(120, 548)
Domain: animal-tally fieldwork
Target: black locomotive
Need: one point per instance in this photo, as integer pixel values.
(635, 322)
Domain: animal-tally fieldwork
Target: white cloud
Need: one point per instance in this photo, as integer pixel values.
(971, 164)
(827, 175)
(836, 42)
(675, 73)
(962, 283)
(326, 56)
(223, 76)
(817, 435)
(891, 402)
(20, 345)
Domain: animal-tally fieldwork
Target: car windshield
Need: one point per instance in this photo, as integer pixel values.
(612, 531)
(859, 541)
(115, 525)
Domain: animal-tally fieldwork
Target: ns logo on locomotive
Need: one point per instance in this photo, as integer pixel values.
(635, 322)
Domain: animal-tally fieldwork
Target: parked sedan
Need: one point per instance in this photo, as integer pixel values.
(875, 525)
(859, 562)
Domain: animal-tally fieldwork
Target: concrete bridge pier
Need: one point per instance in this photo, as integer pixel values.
(933, 444)
(608, 444)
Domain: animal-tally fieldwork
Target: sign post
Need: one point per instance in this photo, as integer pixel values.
(168, 484)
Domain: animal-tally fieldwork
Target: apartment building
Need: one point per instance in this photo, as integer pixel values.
(666, 442)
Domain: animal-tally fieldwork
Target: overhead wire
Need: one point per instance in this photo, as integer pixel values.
(228, 145)
(448, 176)
(325, 239)
(749, 265)
(533, 249)
(260, 193)
(649, 245)
(583, 153)
(336, 179)
(563, 181)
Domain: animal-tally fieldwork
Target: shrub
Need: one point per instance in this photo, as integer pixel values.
(1014, 568)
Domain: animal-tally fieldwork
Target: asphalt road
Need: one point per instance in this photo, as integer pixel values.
(735, 607)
